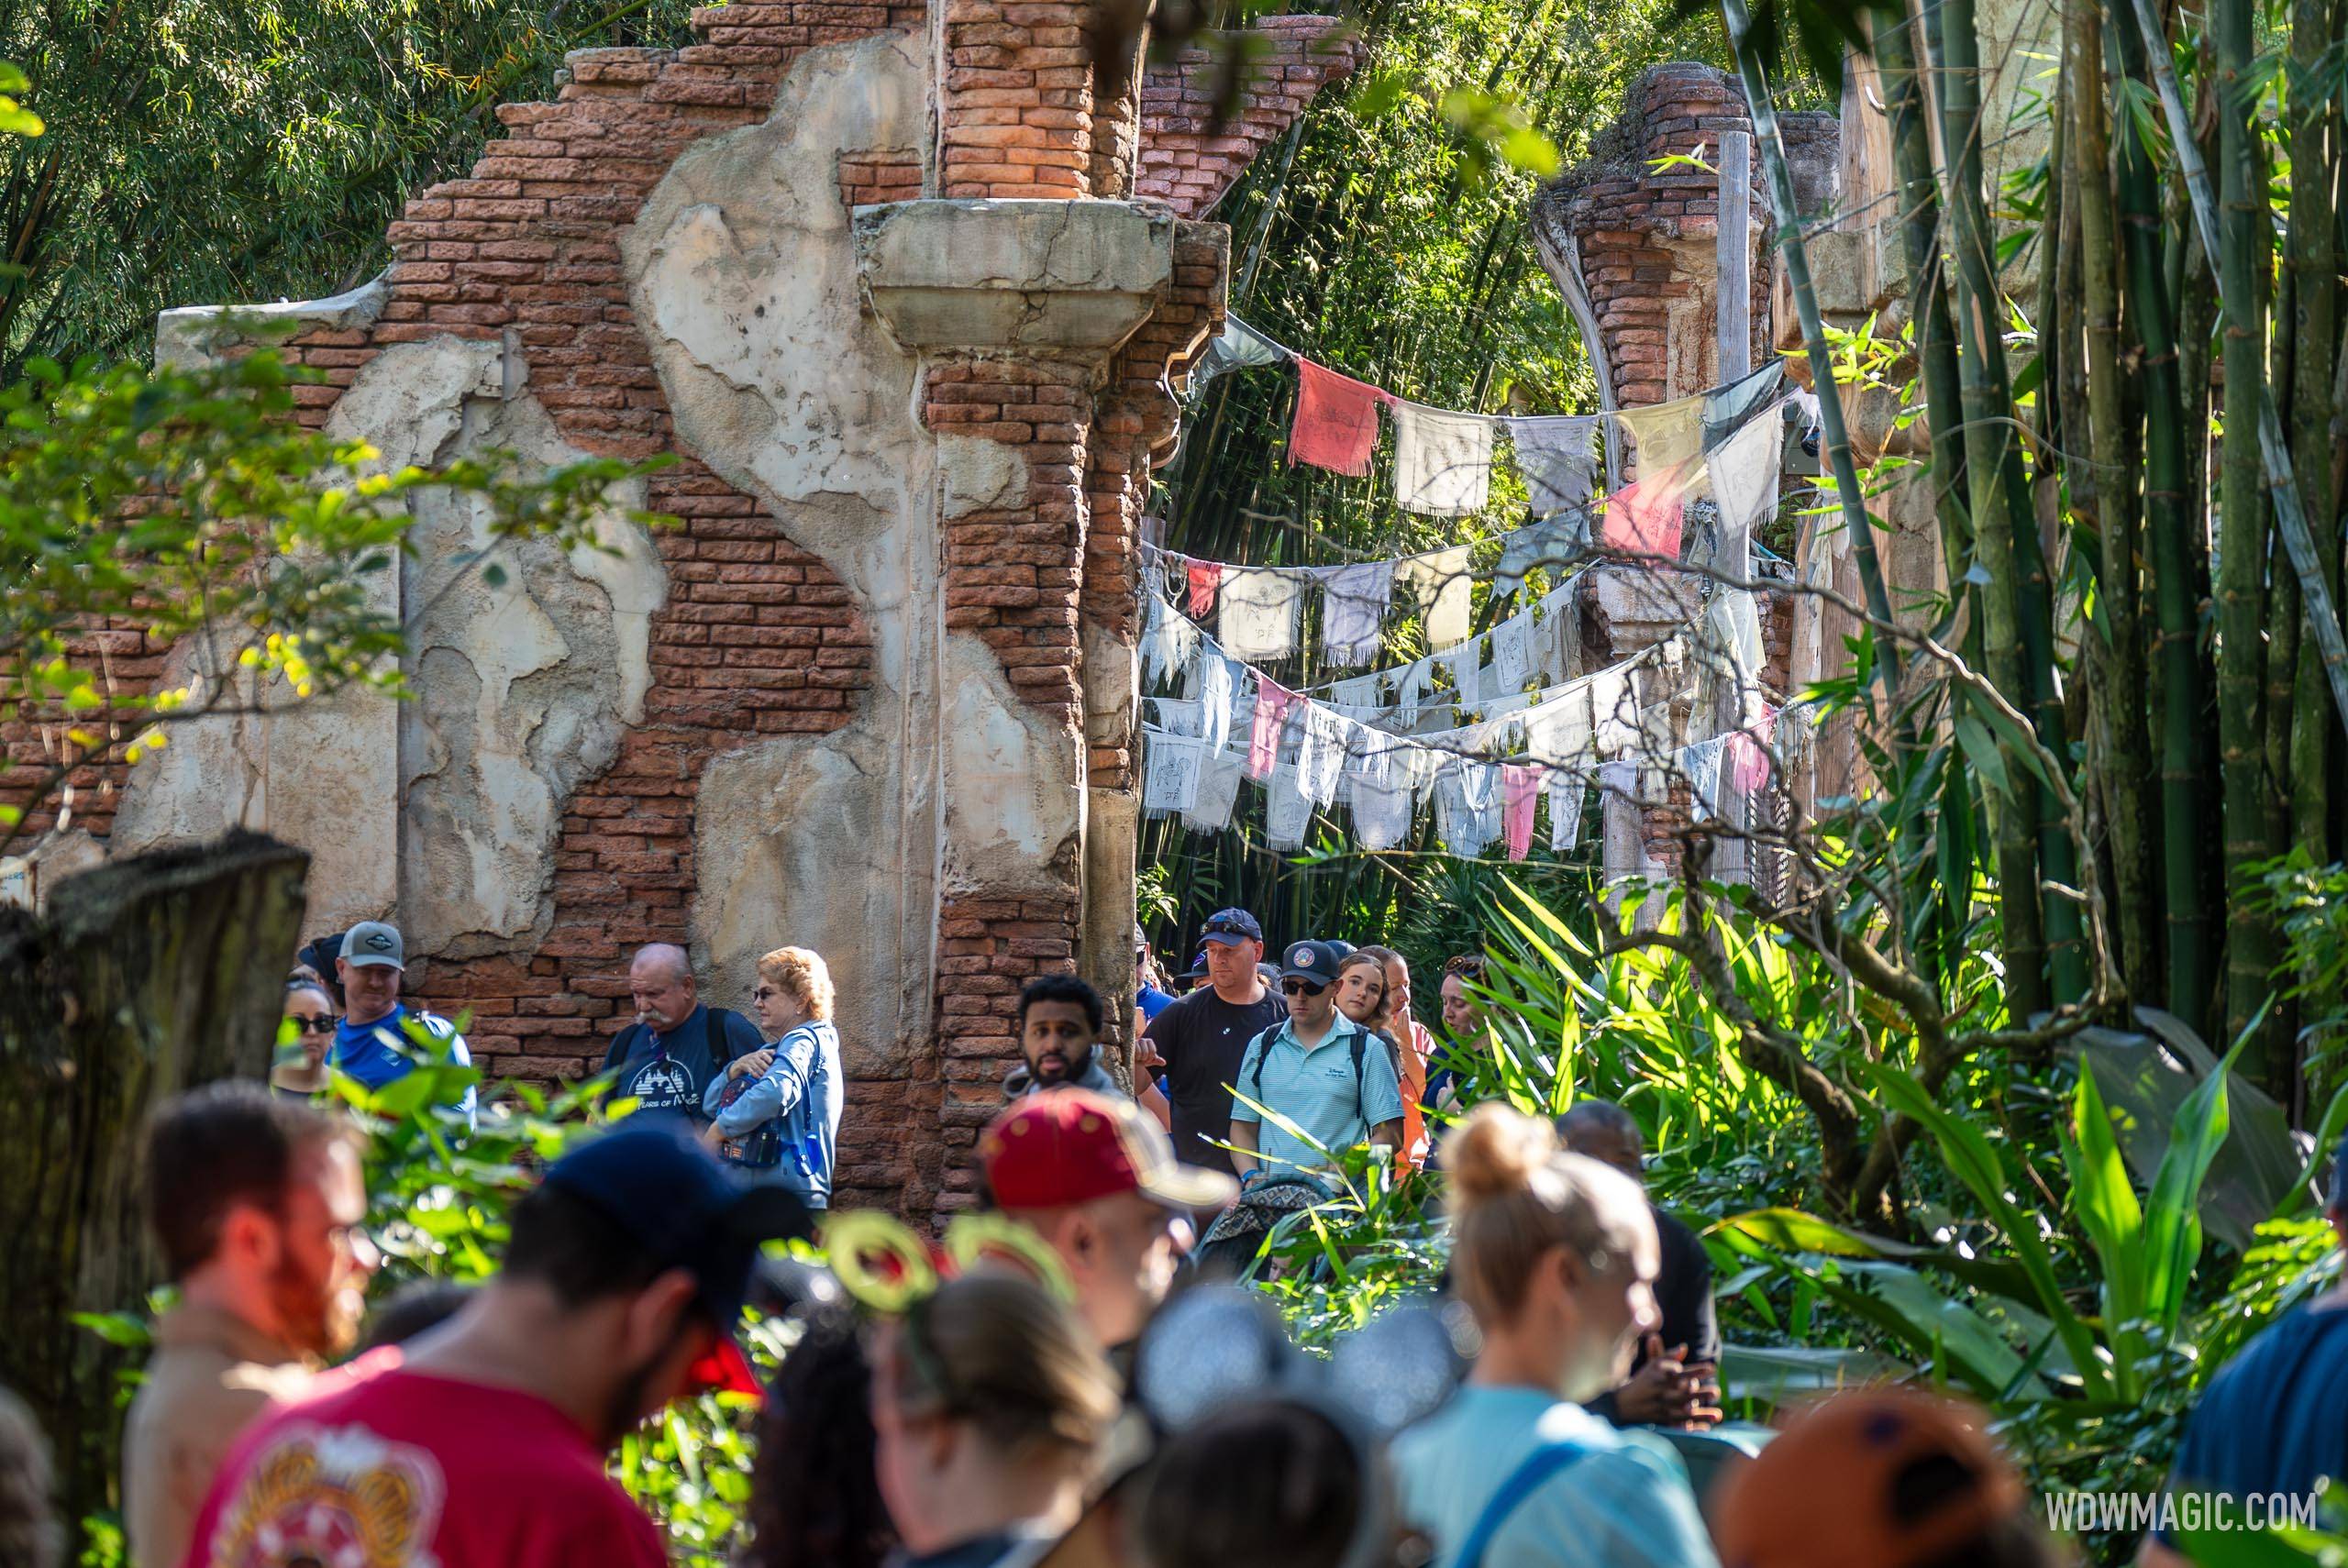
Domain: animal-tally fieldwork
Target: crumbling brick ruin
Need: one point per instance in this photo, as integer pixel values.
(906, 293)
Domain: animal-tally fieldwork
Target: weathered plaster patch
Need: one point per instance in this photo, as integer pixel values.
(741, 267)
(523, 689)
(1013, 804)
(196, 334)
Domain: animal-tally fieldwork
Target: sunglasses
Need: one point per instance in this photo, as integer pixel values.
(313, 1023)
(763, 992)
(1296, 988)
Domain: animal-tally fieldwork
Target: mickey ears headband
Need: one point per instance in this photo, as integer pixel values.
(879, 1262)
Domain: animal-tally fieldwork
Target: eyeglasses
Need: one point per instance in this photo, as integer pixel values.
(1296, 988)
(763, 992)
(313, 1023)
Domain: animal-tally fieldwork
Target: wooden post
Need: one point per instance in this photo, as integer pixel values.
(145, 977)
(1733, 338)
(1733, 253)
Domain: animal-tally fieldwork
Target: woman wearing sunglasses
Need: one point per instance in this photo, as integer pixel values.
(312, 1014)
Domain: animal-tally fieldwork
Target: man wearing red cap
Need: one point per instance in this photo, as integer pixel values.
(1098, 1179)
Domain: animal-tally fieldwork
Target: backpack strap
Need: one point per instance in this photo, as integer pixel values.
(1263, 1040)
(1523, 1480)
(622, 1046)
(714, 1035)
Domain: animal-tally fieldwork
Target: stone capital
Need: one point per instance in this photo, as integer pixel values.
(1043, 277)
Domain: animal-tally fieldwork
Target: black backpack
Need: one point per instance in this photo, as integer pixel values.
(1256, 1081)
(713, 1040)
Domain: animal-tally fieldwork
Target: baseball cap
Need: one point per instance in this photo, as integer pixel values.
(1913, 1478)
(1197, 969)
(1071, 1145)
(1231, 927)
(373, 944)
(1313, 961)
(670, 1197)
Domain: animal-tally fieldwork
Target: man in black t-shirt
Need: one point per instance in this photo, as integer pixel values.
(1202, 1038)
(666, 1057)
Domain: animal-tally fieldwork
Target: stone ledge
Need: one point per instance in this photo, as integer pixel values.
(193, 336)
(993, 274)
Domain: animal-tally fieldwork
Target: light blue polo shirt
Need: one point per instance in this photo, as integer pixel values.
(1316, 1089)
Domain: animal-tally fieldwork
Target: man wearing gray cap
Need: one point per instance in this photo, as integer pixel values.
(374, 1042)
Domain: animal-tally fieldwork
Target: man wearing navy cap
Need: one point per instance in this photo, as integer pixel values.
(1198, 1040)
(1319, 1069)
(480, 1444)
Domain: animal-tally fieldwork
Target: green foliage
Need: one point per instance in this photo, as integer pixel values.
(203, 151)
(186, 503)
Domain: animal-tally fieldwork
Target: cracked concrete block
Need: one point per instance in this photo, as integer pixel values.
(979, 274)
(1014, 802)
(979, 475)
(190, 336)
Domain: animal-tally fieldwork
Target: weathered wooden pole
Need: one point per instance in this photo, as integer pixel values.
(144, 977)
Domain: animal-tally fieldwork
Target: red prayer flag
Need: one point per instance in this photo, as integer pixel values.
(1642, 517)
(1205, 576)
(1336, 420)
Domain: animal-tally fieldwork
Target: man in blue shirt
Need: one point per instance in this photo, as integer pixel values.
(2273, 1423)
(1320, 1070)
(666, 1057)
(375, 1043)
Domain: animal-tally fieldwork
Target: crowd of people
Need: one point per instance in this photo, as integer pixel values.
(1007, 1413)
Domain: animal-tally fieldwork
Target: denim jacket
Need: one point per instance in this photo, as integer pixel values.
(802, 1093)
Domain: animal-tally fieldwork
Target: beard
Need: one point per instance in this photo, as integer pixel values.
(1053, 1067)
(320, 1315)
(629, 1402)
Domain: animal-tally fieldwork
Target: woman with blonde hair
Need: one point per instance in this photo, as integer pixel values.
(1556, 1255)
(990, 1401)
(775, 1113)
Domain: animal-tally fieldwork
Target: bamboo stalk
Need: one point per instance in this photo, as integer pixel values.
(1919, 198)
(2312, 260)
(2016, 614)
(2168, 433)
(2274, 454)
(2242, 256)
(2128, 806)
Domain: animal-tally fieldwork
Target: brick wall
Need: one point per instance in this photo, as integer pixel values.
(987, 949)
(869, 179)
(1011, 572)
(1016, 103)
(1189, 158)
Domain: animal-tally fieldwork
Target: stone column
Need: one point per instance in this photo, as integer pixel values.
(1015, 309)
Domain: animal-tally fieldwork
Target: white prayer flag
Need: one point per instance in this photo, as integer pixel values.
(1565, 790)
(1217, 792)
(1212, 682)
(1355, 600)
(1258, 614)
(1321, 752)
(1442, 586)
(1170, 772)
(1511, 654)
(1287, 813)
(1443, 461)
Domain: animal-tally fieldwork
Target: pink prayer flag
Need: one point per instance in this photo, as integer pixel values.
(1643, 518)
(1336, 420)
(1748, 756)
(1205, 577)
(1520, 793)
(1273, 702)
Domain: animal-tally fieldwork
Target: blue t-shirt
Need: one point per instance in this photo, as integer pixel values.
(2275, 1418)
(1624, 1504)
(1153, 1001)
(668, 1072)
(373, 1054)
